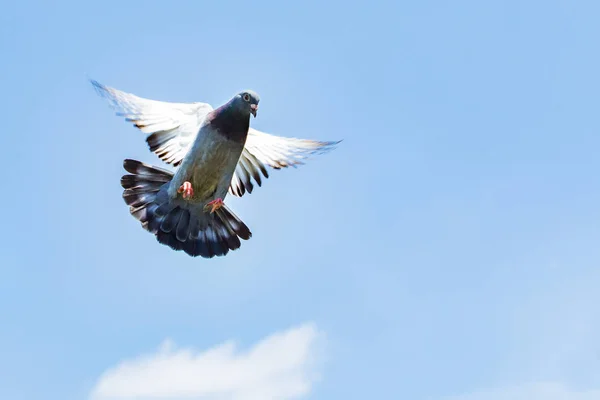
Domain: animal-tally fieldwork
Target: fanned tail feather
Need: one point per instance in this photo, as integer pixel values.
(174, 222)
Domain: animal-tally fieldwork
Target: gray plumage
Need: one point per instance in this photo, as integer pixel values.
(216, 151)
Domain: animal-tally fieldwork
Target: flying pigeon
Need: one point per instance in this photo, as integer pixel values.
(216, 153)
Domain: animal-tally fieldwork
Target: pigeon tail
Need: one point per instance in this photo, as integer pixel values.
(175, 222)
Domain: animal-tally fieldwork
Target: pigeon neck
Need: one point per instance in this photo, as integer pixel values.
(231, 123)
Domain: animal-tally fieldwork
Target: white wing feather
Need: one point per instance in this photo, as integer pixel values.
(170, 127)
(263, 149)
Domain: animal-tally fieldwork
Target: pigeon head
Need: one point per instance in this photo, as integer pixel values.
(232, 119)
(246, 102)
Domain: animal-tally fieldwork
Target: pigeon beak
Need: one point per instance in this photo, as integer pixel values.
(253, 109)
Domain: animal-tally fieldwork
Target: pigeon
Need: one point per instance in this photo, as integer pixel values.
(215, 153)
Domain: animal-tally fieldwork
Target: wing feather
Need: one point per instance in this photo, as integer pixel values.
(263, 149)
(170, 127)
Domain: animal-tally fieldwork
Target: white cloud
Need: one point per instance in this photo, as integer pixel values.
(532, 391)
(281, 366)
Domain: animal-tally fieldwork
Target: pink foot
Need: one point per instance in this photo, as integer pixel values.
(214, 205)
(186, 190)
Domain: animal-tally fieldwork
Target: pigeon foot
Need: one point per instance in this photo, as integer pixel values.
(186, 190)
(214, 205)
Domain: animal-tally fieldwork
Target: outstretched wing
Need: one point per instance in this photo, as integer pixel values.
(170, 127)
(262, 150)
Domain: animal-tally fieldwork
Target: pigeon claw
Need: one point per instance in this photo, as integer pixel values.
(186, 190)
(214, 205)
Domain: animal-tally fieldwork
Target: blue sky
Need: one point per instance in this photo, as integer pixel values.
(447, 249)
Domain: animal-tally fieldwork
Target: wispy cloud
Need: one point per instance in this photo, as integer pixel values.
(281, 366)
(532, 391)
(556, 349)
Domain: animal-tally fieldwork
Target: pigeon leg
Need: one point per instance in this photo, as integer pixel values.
(214, 205)
(186, 189)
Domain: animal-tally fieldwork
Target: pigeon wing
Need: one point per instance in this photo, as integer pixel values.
(170, 127)
(264, 150)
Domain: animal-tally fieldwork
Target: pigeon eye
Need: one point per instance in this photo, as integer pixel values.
(246, 97)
